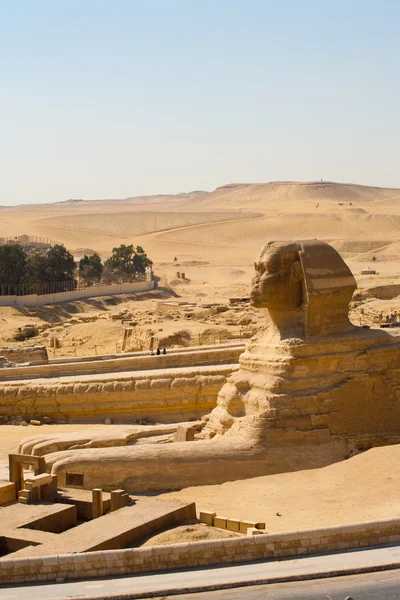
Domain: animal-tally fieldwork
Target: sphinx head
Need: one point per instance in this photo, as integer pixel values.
(277, 283)
(304, 285)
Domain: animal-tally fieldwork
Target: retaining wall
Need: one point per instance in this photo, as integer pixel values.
(90, 292)
(384, 292)
(169, 395)
(213, 552)
(190, 357)
(24, 354)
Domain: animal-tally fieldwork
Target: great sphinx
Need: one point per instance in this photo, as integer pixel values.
(312, 389)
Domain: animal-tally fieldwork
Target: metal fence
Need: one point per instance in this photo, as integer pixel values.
(26, 239)
(27, 289)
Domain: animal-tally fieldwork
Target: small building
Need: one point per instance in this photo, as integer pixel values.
(368, 271)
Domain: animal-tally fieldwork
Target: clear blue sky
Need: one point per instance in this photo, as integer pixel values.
(106, 99)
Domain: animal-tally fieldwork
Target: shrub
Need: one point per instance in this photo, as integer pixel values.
(24, 333)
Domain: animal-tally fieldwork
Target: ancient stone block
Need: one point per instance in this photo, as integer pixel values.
(7, 492)
(207, 517)
(184, 433)
(253, 531)
(233, 524)
(245, 525)
(97, 503)
(220, 522)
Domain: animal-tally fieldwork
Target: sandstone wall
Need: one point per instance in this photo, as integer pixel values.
(168, 395)
(213, 552)
(36, 355)
(199, 355)
(384, 292)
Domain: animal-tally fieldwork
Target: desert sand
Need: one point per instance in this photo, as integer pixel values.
(363, 488)
(227, 225)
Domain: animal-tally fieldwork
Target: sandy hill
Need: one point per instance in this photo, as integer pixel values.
(267, 195)
(289, 210)
(228, 225)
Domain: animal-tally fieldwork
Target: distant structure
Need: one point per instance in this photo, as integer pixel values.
(29, 242)
(368, 271)
(149, 273)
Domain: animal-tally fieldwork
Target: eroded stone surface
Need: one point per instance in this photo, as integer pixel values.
(169, 395)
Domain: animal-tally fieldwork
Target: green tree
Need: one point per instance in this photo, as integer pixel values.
(55, 265)
(61, 264)
(12, 263)
(36, 269)
(90, 268)
(125, 263)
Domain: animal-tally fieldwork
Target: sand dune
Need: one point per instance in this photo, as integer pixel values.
(264, 194)
(129, 224)
(227, 225)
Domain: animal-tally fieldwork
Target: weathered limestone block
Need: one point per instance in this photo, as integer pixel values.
(65, 390)
(34, 355)
(255, 531)
(160, 384)
(245, 525)
(143, 384)
(125, 397)
(8, 492)
(184, 433)
(220, 522)
(233, 525)
(108, 387)
(207, 517)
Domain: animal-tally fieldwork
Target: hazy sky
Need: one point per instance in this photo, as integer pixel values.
(107, 99)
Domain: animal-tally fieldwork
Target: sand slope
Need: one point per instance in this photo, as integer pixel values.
(362, 488)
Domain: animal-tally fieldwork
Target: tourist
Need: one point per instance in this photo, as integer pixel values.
(158, 351)
(164, 350)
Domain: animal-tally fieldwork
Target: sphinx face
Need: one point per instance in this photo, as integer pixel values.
(276, 283)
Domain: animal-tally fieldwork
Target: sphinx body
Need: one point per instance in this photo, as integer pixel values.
(311, 389)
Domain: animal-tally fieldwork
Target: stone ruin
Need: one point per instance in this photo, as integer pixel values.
(312, 389)
(18, 355)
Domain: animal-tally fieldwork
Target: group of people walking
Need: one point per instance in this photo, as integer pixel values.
(392, 318)
(158, 352)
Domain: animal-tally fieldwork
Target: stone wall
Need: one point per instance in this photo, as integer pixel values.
(186, 555)
(90, 292)
(168, 395)
(384, 292)
(35, 355)
(193, 357)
